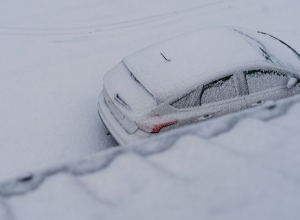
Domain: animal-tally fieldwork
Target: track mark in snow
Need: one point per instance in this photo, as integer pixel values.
(5, 211)
(92, 195)
(104, 27)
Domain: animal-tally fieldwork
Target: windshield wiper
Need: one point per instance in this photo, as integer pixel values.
(296, 53)
(121, 101)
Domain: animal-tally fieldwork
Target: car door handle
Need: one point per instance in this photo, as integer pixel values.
(204, 117)
(258, 103)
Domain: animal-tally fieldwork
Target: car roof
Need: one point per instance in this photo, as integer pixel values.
(195, 57)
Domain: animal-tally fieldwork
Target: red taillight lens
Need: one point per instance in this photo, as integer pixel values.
(157, 128)
(155, 123)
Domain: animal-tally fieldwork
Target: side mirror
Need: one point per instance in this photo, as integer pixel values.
(291, 83)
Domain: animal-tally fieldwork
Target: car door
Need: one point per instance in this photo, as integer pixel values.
(264, 85)
(220, 97)
(211, 100)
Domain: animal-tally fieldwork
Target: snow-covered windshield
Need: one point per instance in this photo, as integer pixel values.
(272, 49)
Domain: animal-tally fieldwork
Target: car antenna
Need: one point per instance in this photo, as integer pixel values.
(165, 57)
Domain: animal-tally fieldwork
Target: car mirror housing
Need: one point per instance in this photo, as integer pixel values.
(291, 83)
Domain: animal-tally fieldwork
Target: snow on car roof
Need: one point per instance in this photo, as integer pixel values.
(193, 57)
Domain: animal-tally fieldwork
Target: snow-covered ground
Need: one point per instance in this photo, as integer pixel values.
(54, 54)
(241, 166)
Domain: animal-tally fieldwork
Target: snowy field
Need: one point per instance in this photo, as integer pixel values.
(199, 172)
(54, 55)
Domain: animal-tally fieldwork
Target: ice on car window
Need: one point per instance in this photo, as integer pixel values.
(259, 80)
(219, 90)
(188, 101)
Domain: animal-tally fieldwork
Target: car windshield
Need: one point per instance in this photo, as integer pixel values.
(272, 49)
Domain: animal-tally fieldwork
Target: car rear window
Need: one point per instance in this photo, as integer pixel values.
(188, 101)
(122, 84)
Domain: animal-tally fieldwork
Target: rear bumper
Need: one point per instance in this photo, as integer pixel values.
(116, 130)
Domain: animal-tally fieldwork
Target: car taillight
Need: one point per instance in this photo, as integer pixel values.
(155, 123)
(158, 127)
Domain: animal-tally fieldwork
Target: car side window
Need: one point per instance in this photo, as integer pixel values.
(218, 90)
(259, 80)
(188, 101)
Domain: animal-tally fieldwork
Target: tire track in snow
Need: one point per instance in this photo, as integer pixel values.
(5, 30)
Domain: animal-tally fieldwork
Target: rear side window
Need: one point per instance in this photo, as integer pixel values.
(218, 90)
(188, 101)
(259, 80)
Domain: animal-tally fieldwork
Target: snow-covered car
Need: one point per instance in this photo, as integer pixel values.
(195, 77)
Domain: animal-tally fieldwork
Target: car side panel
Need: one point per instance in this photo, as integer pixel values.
(220, 108)
(205, 112)
(261, 97)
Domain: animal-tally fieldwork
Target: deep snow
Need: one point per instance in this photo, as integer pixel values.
(54, 55)
(225, 168)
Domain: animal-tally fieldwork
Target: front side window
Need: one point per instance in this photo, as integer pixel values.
(218, 90)
(259, 80)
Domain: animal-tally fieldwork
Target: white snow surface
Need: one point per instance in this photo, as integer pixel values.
(241, 166)
(54, 55)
